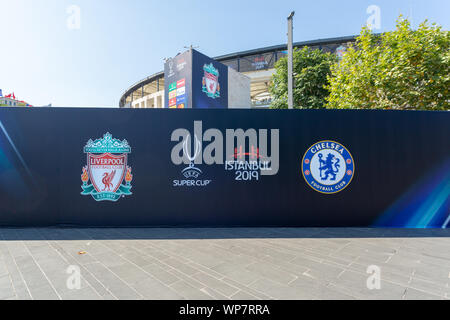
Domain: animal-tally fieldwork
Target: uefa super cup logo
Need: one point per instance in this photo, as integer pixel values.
(192, 171)
(247, 154)
(191, 174)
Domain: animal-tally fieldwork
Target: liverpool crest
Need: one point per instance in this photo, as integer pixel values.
(210, 81)
(107, 170)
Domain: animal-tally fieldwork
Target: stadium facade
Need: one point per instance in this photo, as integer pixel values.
(257, 64)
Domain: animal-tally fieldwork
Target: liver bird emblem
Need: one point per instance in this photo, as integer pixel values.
(107, 180)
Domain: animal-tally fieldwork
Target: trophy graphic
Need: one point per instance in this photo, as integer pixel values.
(192, 172)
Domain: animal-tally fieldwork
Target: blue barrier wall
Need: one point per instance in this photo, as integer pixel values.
(394, 170)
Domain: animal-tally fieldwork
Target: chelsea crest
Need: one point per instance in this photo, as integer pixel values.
(328, 167)
(107, 170)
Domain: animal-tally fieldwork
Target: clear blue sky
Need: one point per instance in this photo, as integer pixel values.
(121, 42)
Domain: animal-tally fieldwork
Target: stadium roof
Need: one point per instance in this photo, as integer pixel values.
(284, 47)
(241, 54)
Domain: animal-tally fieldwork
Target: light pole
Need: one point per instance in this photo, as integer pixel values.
(290, 61)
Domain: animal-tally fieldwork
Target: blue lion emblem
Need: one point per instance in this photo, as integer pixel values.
(329, 167)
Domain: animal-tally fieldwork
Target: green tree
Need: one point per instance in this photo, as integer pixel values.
(404, 69)
(311, 68)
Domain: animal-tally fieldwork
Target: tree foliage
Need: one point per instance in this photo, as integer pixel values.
(311, 69)
(403, 69)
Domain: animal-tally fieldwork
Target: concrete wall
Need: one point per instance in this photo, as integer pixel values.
(238, 90)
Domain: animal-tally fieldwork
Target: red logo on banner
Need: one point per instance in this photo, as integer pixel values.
(181, 83)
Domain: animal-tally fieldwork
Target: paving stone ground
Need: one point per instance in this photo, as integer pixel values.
(236, 264)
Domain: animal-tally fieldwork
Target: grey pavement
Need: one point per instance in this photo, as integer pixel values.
(235, 264)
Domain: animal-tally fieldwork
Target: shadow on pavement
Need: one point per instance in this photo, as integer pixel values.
(40, 234)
